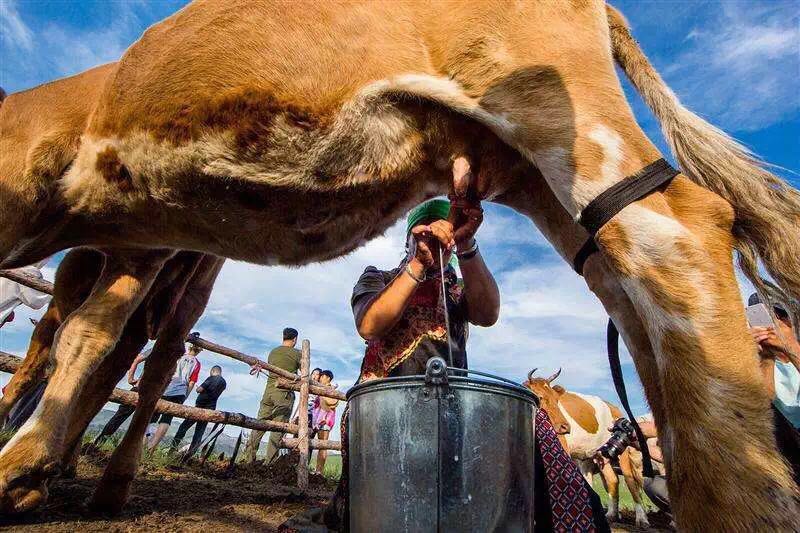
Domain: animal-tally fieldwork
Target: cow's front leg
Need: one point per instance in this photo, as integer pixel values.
(114, 487)
(75, 277)
(103, 380)
(33, 456)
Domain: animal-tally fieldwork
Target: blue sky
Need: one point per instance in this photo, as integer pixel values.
(736, 63)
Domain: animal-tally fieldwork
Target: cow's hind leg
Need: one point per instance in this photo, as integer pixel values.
(611, 483)
(103, 380)
(114, 487)
(33, 456)
(633, 480)
(672, 254)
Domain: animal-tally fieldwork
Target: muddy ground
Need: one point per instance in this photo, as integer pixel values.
(192, 497)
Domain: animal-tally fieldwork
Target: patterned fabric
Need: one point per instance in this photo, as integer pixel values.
(569, 497)
(423, 320)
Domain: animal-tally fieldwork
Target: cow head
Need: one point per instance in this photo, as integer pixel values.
(549, 395)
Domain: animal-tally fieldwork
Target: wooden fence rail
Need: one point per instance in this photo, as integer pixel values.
(289, 381)
(10, 363)
(286, 380)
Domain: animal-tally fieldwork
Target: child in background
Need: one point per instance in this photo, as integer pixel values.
(324, 417)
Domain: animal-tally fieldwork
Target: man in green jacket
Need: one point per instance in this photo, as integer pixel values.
(276, 404)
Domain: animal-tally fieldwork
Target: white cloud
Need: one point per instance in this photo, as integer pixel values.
(741, 66)
(15, 33)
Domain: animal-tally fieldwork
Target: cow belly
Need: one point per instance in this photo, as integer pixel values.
(583, 444)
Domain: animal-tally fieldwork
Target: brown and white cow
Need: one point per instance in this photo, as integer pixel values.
(41, 130)
(582, 422)
(215, 134)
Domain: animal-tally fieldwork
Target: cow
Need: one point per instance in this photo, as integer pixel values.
(582, 423)
(278, 157)
(44, 125)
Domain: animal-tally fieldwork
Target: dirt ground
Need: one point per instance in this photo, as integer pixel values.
(194, 497)
(186, 499)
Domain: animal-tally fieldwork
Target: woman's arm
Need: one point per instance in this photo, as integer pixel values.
(132, 370)
(481, 292)
(387, 308)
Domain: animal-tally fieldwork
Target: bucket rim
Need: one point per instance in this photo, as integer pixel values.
(457, 382)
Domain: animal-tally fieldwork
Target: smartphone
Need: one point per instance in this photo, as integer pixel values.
(758, 316)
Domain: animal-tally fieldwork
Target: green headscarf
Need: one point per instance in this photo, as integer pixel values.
(436, 209)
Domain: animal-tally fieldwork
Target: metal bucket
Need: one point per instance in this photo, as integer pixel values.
(441, 453)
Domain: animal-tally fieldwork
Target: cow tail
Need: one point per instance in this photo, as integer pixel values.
(767, 209)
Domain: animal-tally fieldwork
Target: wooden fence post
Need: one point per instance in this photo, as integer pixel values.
(302, 434)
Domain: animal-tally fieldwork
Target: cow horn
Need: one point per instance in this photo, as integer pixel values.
(554, 376)
(530, 374)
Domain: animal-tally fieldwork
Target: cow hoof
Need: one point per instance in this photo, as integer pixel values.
(26, 489)
(109, 497)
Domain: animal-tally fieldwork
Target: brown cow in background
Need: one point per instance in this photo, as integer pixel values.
(588, 419)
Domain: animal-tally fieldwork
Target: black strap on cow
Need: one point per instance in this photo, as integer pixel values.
(593, 217)
(588, 248)
(612, 337)
(617, 197)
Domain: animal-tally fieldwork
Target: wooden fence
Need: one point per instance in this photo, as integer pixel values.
(286, 380)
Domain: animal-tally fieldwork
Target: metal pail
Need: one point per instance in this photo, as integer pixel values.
(452, 454)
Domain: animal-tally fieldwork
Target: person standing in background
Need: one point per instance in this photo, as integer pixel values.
(324, 417)
(123, 411)
(310, 407)
(207, 395)
(187, 372)
(779, 350)
(276, 404)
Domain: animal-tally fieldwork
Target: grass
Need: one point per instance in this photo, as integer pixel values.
(333, 466)
(625, 498)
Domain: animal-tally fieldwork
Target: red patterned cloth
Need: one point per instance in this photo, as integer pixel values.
(569, 497)
(423, 320)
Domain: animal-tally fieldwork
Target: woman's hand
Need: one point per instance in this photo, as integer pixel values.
(428, 236)
(467, 217)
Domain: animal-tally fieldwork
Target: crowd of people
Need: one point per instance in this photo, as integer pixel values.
(276, 404)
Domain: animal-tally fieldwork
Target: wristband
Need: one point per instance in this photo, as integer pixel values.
(413, 276)
(469, 253)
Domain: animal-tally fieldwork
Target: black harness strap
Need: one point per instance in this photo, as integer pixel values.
(588, 248)
(593, 217)
(612, 337)
(617, 197)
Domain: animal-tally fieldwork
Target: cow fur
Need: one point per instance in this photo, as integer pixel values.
(292, 158)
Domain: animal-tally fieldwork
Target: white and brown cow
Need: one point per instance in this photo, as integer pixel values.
(582, 422)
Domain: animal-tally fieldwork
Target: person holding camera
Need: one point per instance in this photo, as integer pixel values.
(779, 350)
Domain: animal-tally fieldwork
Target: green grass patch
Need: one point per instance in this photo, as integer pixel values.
(333, 466)
(625, 498)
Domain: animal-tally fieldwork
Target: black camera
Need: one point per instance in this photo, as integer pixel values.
(622, 435)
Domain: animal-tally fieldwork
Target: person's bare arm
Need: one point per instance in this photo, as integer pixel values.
(132, 370)
(481, 292)
(384, 312)
(189, 388)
